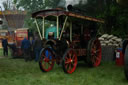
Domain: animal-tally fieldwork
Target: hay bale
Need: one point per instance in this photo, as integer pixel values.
(101, 42)
(106, 42)
(116, 45)
(110, 36)
(110, 40)
(110, 44)
(114, 38)
(101, 38)
(119, 40)
(105, 36)
(114, 42)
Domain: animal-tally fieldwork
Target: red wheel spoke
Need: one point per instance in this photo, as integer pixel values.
(69, 67)
(66, 58)
(73, 56)
(66, 66)
(72, 64)
(70, 61)
(44, 64)
(96, 53)
(70, 55)
(67, 61)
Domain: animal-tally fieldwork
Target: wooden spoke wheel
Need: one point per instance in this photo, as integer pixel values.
(69, 62)
(126, 62)
(94, 52)
(46, 62)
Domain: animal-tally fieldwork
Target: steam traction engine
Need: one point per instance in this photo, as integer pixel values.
(74, 39)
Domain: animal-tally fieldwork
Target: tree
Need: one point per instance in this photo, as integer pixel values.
(34, 5)
(7, 4)
(123, 2)
(115, 16)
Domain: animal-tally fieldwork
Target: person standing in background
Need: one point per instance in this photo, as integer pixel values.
(37, 47)
(31, 48)
(25, 46)
(5, 46)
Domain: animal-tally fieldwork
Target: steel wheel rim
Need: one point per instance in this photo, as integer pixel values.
(96, 53)
(70, 61)
(47, 61)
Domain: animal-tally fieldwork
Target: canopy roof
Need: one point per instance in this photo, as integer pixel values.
(59, 12)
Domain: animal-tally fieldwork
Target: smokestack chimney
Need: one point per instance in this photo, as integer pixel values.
(69, 7)
(75, 9)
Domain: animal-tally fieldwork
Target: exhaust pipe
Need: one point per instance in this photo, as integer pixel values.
(75, 9)
(69, 7)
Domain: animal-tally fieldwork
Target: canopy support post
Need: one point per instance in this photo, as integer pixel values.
(43, 27)
(57, 27)
(38, 29)
(70, 31)
(63, 27)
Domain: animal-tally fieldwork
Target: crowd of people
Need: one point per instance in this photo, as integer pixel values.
(30, 48)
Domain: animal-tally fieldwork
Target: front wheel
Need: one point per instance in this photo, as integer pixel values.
(126, 62)
(46, 61)
(69, 61)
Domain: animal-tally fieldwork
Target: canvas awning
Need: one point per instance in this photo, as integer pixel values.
(59, 12)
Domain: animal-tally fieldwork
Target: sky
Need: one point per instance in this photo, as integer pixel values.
(74, 2)
(1, 4)
(71, 2)
(1, 1)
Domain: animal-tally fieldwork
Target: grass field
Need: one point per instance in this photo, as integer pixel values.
(19, 72)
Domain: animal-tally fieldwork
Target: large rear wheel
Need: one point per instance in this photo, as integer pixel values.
(126, 62)
(46, 61)
(94, 52)
(69, 61)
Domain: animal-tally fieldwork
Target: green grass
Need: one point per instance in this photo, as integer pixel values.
(1, 52)
(19, 72)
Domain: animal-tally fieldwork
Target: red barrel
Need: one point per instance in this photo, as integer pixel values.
(119, 57)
